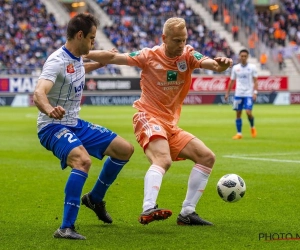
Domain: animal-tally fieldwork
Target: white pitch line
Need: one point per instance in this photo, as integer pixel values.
(268, 154)
(258, 159)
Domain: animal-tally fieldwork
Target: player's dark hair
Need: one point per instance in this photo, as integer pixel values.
(83, 22)
(244, 51)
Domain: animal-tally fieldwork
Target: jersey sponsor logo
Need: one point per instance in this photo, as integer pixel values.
(182, 66)
(198, 55)
(70, 68)
(172, 75)
(158, 66)
(79, 88)
(134, 53)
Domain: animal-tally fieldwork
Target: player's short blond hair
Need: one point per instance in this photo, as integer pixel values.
(173, 22)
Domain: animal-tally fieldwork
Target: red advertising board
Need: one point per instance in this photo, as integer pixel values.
(220, 83)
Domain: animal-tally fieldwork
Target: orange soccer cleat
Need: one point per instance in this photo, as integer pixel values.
(253, 132)
(237, 137)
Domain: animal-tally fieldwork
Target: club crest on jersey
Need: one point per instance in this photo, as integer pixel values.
(182, 66)
(70, 68)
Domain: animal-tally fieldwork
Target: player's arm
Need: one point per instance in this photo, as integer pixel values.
(218, 64)
(107, 57)
(229, 88)
(90, 66)
(255, 90)
(41, 101)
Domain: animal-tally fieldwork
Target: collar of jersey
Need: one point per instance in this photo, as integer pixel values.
(244, 65)
(70, 54)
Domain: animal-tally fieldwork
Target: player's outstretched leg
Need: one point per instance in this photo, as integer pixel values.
(68, 233)
(192, 219)
(98, 208)
(153, 214)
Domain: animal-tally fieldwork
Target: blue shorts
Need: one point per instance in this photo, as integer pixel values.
(61, 139)
(240, 103)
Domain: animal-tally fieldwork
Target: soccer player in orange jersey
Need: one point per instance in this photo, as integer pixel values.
(165, 82)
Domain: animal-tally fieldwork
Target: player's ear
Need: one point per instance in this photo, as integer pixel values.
(80, 34)
(163, 37)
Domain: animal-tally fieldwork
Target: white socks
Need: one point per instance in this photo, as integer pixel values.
(152, 183)
(196, 185)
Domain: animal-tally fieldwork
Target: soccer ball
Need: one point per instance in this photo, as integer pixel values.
(231, 187)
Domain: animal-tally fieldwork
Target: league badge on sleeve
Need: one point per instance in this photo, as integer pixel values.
(197, 55)
(182, 66)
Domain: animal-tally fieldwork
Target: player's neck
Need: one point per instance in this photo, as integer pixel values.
(72, 49)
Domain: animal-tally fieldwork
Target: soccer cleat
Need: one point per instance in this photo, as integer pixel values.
(153, 214)
(98, 208)
(253, 132)
(68, 233)
(237, 137)
(191, 220)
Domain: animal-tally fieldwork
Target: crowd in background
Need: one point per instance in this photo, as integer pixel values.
(28, 35)
(139, 24)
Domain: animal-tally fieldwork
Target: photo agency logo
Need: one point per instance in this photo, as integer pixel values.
(278, 236)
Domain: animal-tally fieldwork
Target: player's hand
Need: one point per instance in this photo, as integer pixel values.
(224, 61)
(254, 97)
(57, 113)
(114, 50)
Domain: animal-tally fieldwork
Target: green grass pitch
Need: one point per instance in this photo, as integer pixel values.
(32, 185)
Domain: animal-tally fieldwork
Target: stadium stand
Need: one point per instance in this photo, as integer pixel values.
(29, 33)
(260, 23)
(138, 24)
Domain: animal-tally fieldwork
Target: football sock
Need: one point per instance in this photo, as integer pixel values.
(238, 123)
(109, 173)
(196, 185)
(73, 191)
(152, 183)
(251, 122)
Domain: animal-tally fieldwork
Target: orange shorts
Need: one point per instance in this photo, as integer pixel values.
(147, 127)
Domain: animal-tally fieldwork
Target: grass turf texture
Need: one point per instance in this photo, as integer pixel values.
(32, 185)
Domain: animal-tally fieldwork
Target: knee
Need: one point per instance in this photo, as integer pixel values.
(209, 159)
(83, 163)
(127, 152)
(165, 162)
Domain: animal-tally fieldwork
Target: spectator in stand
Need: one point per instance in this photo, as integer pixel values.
(138, 24)
(252, 44)
(28, 35)
(263, 60)
(280, 60)
(214, 10)
(235, 32)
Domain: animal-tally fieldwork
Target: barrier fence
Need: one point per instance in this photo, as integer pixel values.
(18, 91)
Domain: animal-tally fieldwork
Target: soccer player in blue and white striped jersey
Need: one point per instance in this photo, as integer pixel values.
(57, 96)
(244, 75)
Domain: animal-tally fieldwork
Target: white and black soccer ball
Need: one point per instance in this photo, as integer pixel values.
(231, 187)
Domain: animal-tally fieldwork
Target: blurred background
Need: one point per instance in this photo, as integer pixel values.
(270, 29)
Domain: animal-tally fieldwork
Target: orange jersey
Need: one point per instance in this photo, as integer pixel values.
(165, 81)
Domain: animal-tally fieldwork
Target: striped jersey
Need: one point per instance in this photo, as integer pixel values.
(243, 74)
(165, 81)
(68, 76)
